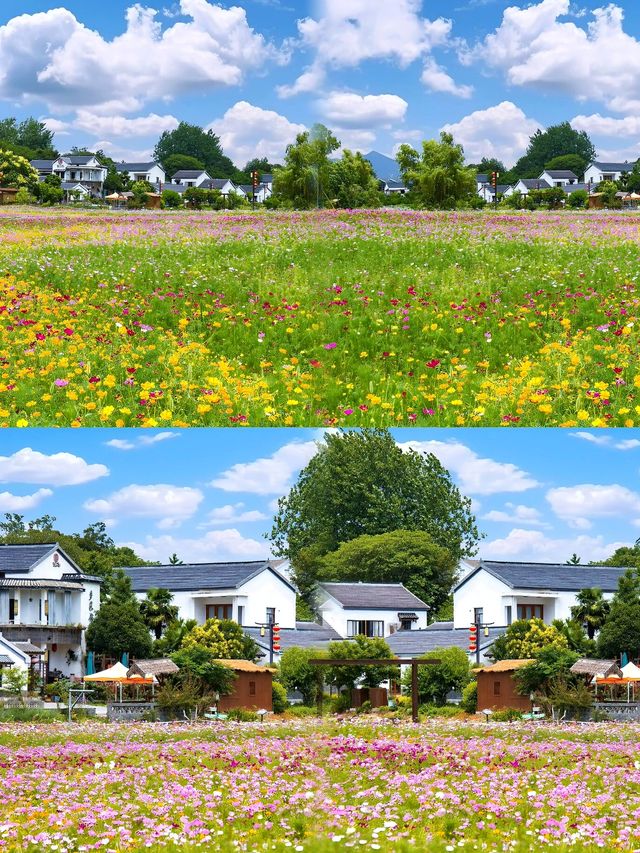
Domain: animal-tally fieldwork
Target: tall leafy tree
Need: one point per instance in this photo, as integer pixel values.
(118, 626)
(195, 142)
(157, 610)
(361, 483)
(36, 135)
(352, 182)
(573, 162)
(621, 630)
(437, 176)
(224, 638)
(177, 162)
(591, 610)
(296, 673)
(410, 557)
(16, 171)
(359, 647)
(304, 180)
(545, 145)
(437, 680)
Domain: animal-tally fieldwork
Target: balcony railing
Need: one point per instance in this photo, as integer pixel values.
(42, 634)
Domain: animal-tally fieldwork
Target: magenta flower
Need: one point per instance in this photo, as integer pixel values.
(61, 383)
(330, 346)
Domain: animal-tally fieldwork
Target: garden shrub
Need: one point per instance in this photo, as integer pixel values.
(469, 701)
(302, 711)
(506, 715)
(279, 698)
(242, 715)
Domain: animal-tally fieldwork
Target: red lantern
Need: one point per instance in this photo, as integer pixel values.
(54, 647)
(473, 638)
(276, 638)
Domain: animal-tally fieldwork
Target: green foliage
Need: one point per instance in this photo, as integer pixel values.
(506, 715)
(621, 632)
(608, 190)
(49, 191)
(116, 182)
(545, 145)
(118, 625)
(488, 165)
(176, 698)
(577, 639)
(304, 613)
(279, 700)
(568, 696)
(198, 666)
(578, 199)
(173, 636)
(196, 197)
(193, 141)
(410, 557)
(224, 638)
(362, 483)
(469, 701)
(550, 664)
(591, 610)
(16, 171)
(14, 680)
(305, 178)
(352, 182)
(23, 196)
(58, 688)
(437, 680)
(301, 711)
(242, 715)
(140, 189)
(573, 162)
(360, 647)
(525, 638)
(157, 610)
(179, 162)
(437, 177)
(172, 199)
(31, 138)
(296, 673)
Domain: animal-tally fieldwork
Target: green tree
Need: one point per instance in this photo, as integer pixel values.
(437, 680)
(224, 638)
(118, 626)
(158, 611)
(488, 165)
(193, 141)
(174, 560)
(173, 637)
(359, 647)
(296, 673)
(361, 483)
(550, 664)
(621, 629)
(305, 178)
(352, 182)
(410, 557)
(35, 135)
(632, 179)
(17, 171)
(179, 162)
(573, 560)
(608, 190)
(172, 199)
(49, 191)
(525, 638)
(545, 145)
(438, 177)
(199, 663)
(591, 610)
(571, 162)
(140, 190)
(578, 199)
(577, 639)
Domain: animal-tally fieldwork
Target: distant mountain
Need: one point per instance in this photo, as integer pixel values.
(386, 168)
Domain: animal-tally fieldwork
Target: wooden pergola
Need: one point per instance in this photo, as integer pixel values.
(414, 663)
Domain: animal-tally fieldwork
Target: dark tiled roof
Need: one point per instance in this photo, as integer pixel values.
(553, 576)
(307, 638)
(612, 167)
(82, 577)
(22, 558)
(177, 188)
(394, 185)
(42, 164)
(534, 184)
(572, 188)
(79, 159)
(188, 173)
(482, 179)
(5, 659)
(381, 596)
(136, 167)
(267, 178)
(218, 183)
(29, 583)
(27, 648)
(562, 173)
(196, 576)
(410, 643)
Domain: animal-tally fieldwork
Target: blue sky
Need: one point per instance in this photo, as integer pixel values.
(210, 494)
(114, 75)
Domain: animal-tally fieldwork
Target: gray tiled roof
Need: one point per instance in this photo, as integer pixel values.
(534, 184)
(310, 637)
(136, 167)
(188, 173)
(197, 576)
(482, 179)
(30, 583)
(5, 659)
(79, 159)
(42, 164)
(612, 167)
(412, 643)
(553, 576)
(218, 183)
(562, 173)
(27, 648)
(394, 185)
(377, 596)
(22, 558)
(177, 188)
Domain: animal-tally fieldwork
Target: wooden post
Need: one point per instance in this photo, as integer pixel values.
(414, 690)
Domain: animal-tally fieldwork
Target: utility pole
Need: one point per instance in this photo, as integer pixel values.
(494, 184)
(474, 636)
(274, 637)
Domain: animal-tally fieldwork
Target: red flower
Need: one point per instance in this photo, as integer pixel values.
(433, 363)
(315, 363)
(617, 370)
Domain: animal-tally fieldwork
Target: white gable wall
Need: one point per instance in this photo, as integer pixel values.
(332, 613)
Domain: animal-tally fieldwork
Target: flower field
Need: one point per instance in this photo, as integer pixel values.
(318, 786)
(328, 318)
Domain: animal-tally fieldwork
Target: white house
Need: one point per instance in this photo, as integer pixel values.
(192, 178)
(46, 601)
(371, 609)
(498, 593)
(525, 185)
(250, 593)
(151, 172)
(83, 169)
(599, 171)
(559, 178)
(389, 187)
(224, 186)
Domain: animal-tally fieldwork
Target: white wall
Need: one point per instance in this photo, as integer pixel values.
(481, 590)
(337, 617)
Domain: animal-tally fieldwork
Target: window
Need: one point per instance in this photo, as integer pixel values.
(218, 611)
(496, 688)
(13, 609)
(365, 627)
(405, 624)
(507, 614)
(271, 616)
(252, 688)
(530, 611)
(478, 615)
(240, 615)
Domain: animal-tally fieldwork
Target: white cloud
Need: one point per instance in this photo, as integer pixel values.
(247, 131)
(356, 140)
(534, 49)
(171, 505)
(577, 504)
(347, 109)
(116, 125)
(536, 546)
(58, 469)
(627, 444)
(18, 503)
(141, 439)
(64, 63)
(270, 475)
(213, 546)
(233, 514)
(591, 437)
(436, 79)
(598, 125)
(475, 474)
(516, 514)
(154, 438)
(120, 444)
(345, 33)
(501, 131)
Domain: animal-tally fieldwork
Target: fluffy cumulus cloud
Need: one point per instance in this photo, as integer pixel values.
(501, 131)
(475, 474)
(347, 109)
(247, 131)
(141, 439)
(169, 505)
(19, 503)
(516, 514)
(578, 504)
(214, 546)
(347, 32)
(233, 514)
(595, 59)
(65, 63)
(56, 469)
(436, 79)
(121, 126)
(270, 475)
(536, 546)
